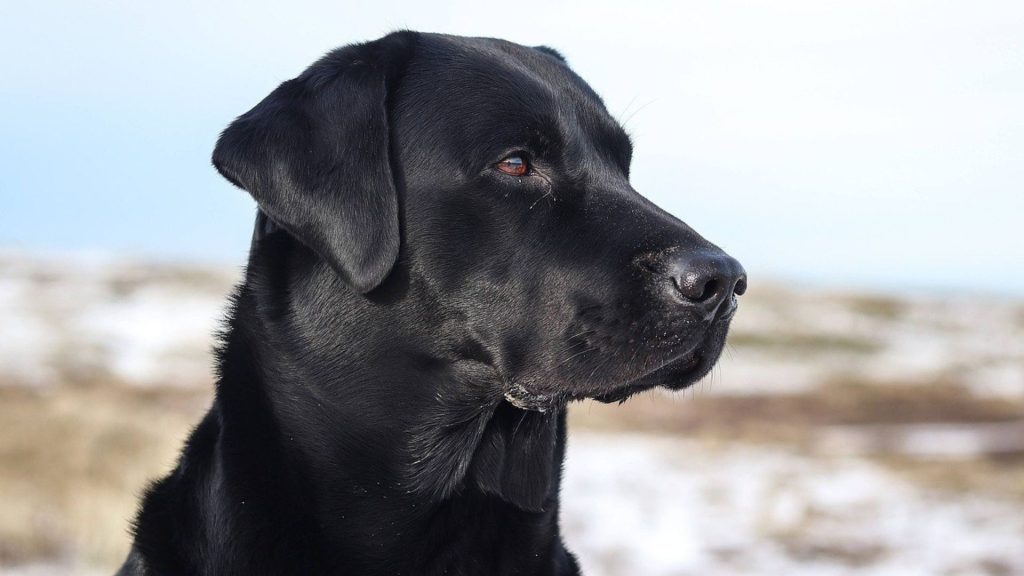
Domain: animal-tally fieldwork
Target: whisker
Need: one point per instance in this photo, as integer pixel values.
(637, 111)
(518, 424)
(587, 331)
(563, 362)
(546, 194)
(596, 368)
(628, 106)
(629, 365)
(570, 347)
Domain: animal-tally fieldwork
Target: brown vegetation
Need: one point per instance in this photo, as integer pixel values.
(74, 461)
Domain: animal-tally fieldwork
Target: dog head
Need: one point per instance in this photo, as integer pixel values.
(503, 182)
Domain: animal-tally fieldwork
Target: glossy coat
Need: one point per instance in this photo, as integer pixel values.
(395, 366)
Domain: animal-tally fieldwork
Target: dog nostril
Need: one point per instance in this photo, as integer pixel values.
(740, 287)
(710, 289)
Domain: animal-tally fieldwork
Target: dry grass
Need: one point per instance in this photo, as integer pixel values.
(805, 344)
(881, 306)
(74, 461)
(999, 475)
(788, 418)
(795, 421)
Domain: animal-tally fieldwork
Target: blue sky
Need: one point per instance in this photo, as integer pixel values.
(876, 144)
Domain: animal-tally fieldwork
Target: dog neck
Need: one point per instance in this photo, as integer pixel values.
(393, 440)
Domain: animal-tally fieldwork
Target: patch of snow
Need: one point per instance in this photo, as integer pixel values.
(143, 324)
(667, 507)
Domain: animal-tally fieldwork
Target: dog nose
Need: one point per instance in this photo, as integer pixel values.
(706, 278)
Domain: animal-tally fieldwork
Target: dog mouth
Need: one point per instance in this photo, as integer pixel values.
(679, 372)
(666, 366)
(675, 375)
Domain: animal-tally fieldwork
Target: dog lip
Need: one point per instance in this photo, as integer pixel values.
(683, 368)
(685, 362)
(695, 359)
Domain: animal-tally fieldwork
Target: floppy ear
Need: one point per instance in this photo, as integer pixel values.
(314, 155)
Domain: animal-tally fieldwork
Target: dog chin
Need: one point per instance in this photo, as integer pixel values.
(676, 375)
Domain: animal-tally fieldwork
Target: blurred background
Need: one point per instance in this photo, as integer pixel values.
(862, 159)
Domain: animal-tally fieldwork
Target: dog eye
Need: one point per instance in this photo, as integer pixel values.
(514, 165)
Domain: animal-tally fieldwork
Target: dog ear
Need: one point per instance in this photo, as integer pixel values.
(314, 156)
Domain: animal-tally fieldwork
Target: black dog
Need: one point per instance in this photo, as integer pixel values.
(448, 251)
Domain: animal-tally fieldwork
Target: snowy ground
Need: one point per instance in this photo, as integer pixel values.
(662, 506)
(665, 506)
(73, 318)
(792, 460)
(795, 340)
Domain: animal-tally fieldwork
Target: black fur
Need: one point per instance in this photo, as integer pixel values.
(395, 368)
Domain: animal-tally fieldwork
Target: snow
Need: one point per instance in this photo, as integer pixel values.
(659, 506)
(141, 324)
(976, 341)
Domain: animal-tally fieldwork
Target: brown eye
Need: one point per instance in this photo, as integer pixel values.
(514, 166)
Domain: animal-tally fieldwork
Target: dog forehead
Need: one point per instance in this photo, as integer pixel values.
(473, 85)
(468, 72)
(499, 52)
